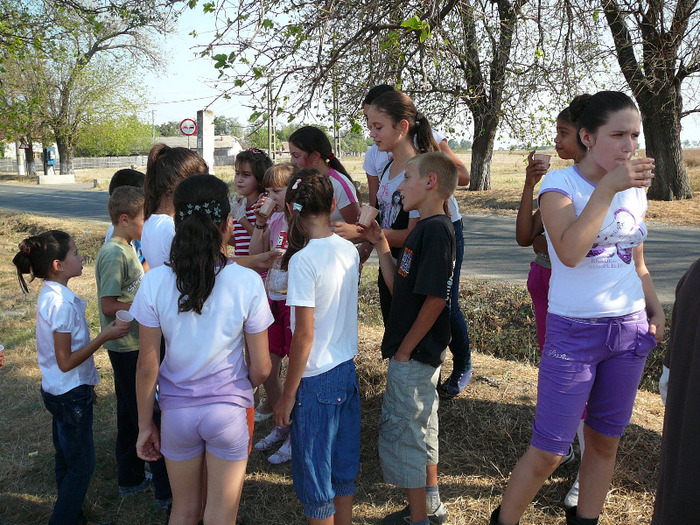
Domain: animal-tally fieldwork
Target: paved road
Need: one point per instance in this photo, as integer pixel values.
(490, 252)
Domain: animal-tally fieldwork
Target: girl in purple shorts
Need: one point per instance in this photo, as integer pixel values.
(209, 311)
(604, 316)
(529, 231)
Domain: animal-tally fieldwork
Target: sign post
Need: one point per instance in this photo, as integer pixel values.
(188, 127)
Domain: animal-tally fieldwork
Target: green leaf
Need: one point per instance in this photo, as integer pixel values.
(268, 24)
(414, 23)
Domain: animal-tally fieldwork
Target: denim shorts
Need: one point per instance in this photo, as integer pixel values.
(408, 428)
(325, 436)
(599, 361)
(222, 429)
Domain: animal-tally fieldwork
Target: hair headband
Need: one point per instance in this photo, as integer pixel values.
(211, 208)
(331, 157)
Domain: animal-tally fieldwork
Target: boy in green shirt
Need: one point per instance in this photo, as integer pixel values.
(118, 273)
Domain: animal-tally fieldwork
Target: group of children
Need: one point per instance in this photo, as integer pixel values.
(209, 330)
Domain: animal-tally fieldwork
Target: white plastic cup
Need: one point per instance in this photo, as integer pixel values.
(124, 317)
(542, 157)
(367, 213)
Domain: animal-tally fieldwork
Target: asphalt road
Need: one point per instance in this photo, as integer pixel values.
(490, 248)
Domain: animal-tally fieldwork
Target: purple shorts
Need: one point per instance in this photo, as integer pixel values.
(219, 428)
(599, 361)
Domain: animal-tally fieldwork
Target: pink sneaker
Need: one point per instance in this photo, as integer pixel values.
(283, 455)
(277, 435)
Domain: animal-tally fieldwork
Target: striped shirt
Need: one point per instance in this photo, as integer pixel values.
(241, 236)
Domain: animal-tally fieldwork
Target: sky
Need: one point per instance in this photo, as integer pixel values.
(186, 85)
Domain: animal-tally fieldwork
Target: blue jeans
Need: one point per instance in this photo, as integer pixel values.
(326, 439)
(459, 346)
(75, 451)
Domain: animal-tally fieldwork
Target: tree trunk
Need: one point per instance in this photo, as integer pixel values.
(65, 154)
(29, 158)
(482, 151)
(663, 143)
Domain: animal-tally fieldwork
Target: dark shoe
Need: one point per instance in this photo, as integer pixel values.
(403, 516)
(495, 515)
(129, 491)
(573, 519)
(455, 384)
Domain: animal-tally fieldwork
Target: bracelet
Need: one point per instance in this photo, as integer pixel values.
(260, 227)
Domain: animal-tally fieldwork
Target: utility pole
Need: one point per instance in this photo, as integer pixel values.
(271, 135)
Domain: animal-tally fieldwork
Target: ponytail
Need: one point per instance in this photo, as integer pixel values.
(309, 193)
(422, 135)
(37, 253)
(201, 207)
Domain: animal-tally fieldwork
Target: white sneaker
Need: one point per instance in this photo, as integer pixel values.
(277, 435)
(571, 499)
(283, 455)
(261, 416)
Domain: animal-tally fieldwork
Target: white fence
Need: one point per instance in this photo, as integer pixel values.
(87, 163)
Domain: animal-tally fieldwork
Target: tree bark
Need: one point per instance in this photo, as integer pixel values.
(29, 158)
(65, 154)
(663, 143)
(482, 151)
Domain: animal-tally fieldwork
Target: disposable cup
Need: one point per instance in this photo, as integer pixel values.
(267, 206)
(124, 317)
(367, 213)
(542, 158)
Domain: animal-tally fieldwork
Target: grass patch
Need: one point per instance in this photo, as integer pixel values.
(483, 432)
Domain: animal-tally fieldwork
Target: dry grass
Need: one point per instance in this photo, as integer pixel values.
(482, 433)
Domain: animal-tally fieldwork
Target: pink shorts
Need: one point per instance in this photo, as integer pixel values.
(222, 429)
(280, 332)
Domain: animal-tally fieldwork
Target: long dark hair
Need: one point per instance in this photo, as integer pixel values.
(37, 253)
(166, 168)
(310, 139)
(308, 193)
(201, 207)
(399, 106)
(593, 111)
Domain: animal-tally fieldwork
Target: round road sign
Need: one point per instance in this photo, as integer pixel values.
(188, 127)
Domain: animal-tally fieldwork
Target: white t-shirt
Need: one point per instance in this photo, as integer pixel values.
(343, 193)
(204, 354)
(324, 275)
(59, 310)
(156, 238)
(605, 283)
(376, 161)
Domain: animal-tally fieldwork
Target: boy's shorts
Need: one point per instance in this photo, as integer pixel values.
(222, 429)
(408, 429)
(598, 361)
(279, 333)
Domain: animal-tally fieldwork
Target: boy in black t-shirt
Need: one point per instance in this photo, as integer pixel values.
(416, 337)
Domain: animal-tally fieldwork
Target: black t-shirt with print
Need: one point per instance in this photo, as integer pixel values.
(424, 268)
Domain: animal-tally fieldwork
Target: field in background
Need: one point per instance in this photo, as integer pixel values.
(482, 433)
